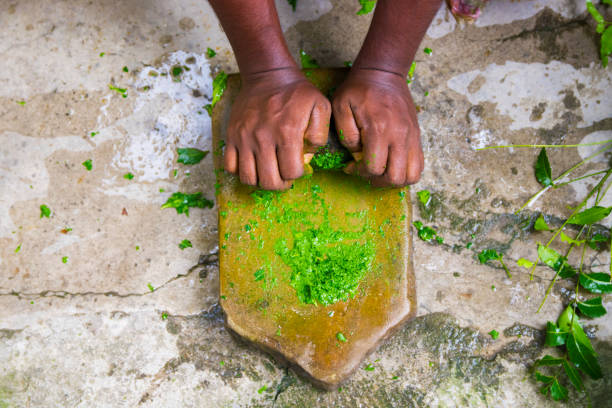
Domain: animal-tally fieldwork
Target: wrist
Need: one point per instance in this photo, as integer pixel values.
(377, 75)
(277, 76)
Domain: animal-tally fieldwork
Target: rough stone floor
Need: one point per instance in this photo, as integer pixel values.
(100, 308)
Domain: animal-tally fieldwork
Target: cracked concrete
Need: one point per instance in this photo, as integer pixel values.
(90, 332)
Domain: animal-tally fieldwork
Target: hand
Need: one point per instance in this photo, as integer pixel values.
(376, 114)
(273, 117)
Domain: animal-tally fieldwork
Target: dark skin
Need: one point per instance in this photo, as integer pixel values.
(279, 115)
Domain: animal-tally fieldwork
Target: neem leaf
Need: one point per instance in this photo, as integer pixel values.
(596, 239)
(546, 379)
(341, 337)
(573, 374)
(548, 360)
(488, 255)
(540, 224)
(549, 256)
(592, 307)
(590, 216)
(210, 52)
(596, 282)
(557, 391)
(190, 155)
(44, 211)
(525, 263)
(292, 3)
(424, 196)
(219, 85)
(369, 367)
(87, 164)
(259, 274)
(182, 202)
(366, 6)
(569, 240)
(606, 46)
(578, 345)
(543, 172)
(555, 336)
(494, 334)
(307, 61)
(185, 244)
(427, 233)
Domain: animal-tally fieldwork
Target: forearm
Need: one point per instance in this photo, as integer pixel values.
(397, 28)
(254, 32)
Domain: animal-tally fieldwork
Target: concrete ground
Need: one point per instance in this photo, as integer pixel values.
(79, 323)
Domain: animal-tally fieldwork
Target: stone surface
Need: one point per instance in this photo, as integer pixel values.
(90, 332)
(257, 293)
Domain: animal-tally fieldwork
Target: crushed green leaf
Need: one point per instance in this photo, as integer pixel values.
(128, 176)
(185, 244)
(307, 61)
(182, 202)
(210, 53)
(44, 211)
(494, 334)
(219, 85)
(366, 6)
(87, 164)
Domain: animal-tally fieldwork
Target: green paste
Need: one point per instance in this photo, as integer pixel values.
(326, 264)
(326, 160)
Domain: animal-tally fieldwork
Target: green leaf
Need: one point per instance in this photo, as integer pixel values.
(546, 379)
(608, 2)
(219, 85)
(549, 256)
(128, 176)
(597, 239)
(557, 391)
(592, 307)
(548, 360)
(582, 354)
(64, 259)
(87, 164)
(211, 53)
(525, 263)
(185, 244)
(151, 288)
(427, 50)
(427, 233)
(579, 348)
(411, 70)
(262, 389)
(540, 224)
(494, 334)
(44, 211)
(594, 12)
(182, 202)
(424, 196)
(606, 46)
(190, 155)
(341, 337)
(569, 240)
(573, 374)
(259, 275)
(488, 255)
(596, 282)
(369, 367)
(590, 216)
(366, 6)
(307, 61)
(18, 248)
(293, 4)
(555, 336)
(543, 172)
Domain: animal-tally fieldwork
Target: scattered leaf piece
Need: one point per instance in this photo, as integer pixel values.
(307, 61)
(190, 155)
(44, 211)
(182, 202)
(185, 244)
(87, 164)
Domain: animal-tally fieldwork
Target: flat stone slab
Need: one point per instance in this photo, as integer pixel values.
(261, 295)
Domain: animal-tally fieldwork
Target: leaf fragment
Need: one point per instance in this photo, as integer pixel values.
(592, 307)
(190, 155)
(542, 169)
(590, 215)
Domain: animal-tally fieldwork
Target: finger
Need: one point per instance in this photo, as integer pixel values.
(395, 173)
(375, 152)
(318, 125)
(267, 170)
(348, 132)
(246, 167)
(230, 159)
(290, 161)
(415, 164)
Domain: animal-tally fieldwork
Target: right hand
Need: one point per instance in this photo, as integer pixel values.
(275, 117)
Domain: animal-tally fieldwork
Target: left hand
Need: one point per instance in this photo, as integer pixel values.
(375, 114)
